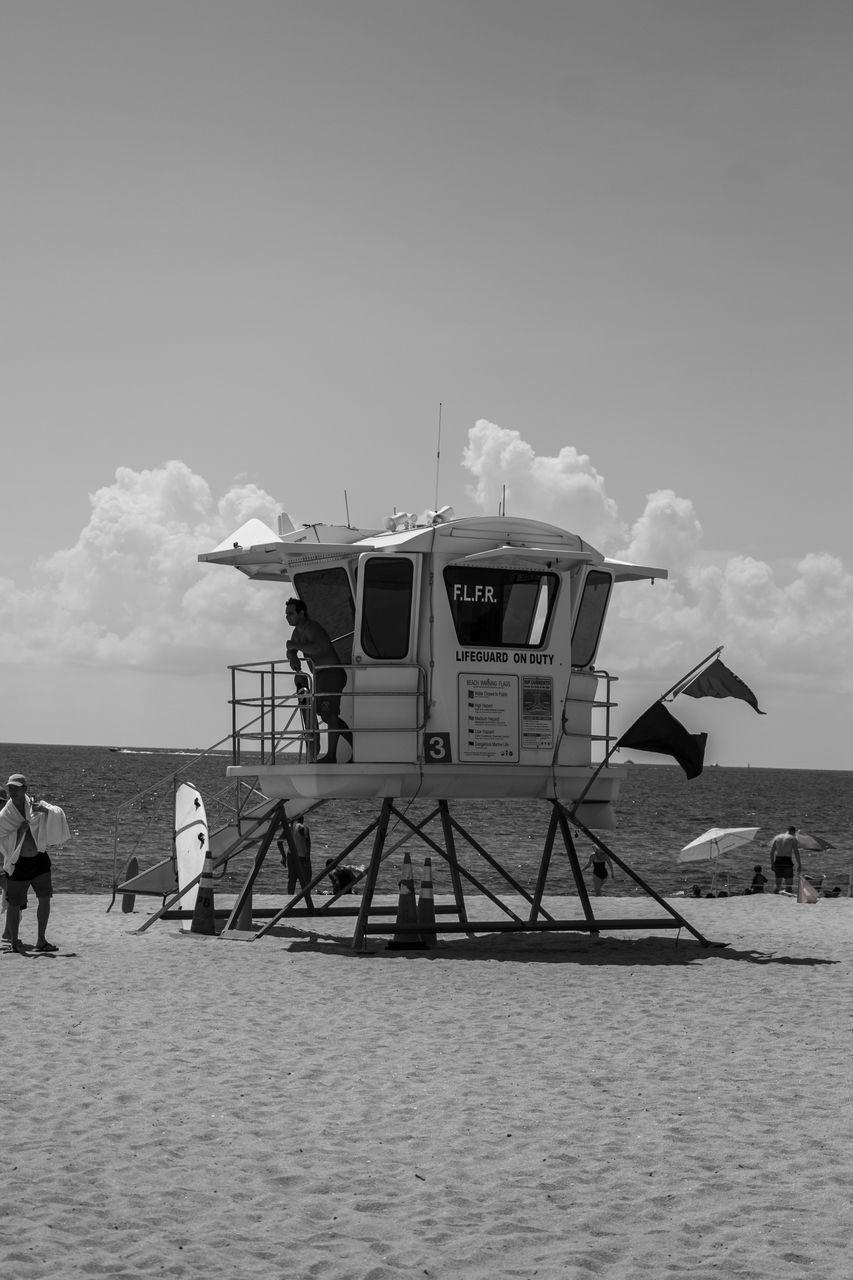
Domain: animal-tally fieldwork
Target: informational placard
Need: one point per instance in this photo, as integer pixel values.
(537, 713)
(488, 718)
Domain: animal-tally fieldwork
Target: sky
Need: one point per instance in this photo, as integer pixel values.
(340, 257)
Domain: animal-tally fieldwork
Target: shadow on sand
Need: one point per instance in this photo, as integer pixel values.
(539, 949)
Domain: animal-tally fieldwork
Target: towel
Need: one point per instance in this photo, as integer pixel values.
(53, 831)
(12, 826)
(48, 825)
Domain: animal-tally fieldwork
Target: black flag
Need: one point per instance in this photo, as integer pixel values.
(658, 730)
(717, 681)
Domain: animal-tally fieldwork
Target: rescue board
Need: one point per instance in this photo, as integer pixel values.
(191, 842)
(128, 900)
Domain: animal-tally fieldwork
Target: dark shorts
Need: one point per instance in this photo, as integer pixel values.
(783, 869)
(28, 872)
(328, 686)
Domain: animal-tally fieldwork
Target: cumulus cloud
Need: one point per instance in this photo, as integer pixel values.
(791, 620)
(667, 534)
(130, 592)
(565, 490)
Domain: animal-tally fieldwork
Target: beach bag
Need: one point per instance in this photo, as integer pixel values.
(806, 892)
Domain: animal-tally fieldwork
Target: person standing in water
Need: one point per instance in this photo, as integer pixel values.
(600, 863)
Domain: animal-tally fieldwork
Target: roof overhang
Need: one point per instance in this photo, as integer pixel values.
(273, 561)
(558, 560)
(539, 559)
(624, 572)
(262, 554)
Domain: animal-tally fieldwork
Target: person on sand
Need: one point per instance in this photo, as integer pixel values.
(24, 837)
(600, 863)
(299, 871)
(759, 880)
(784, 852)
(342, 878)
(312, 640)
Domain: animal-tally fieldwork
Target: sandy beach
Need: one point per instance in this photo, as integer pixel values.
(553, 1106)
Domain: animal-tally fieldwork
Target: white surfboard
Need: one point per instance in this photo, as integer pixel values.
(191, 842)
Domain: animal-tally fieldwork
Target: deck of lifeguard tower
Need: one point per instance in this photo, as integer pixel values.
(468, 650)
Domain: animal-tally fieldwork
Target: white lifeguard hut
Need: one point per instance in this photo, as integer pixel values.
(469, 648)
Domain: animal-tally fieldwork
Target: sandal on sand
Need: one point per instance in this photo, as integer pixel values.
(45, 946)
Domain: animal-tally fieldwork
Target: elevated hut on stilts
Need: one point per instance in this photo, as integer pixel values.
(469, 652)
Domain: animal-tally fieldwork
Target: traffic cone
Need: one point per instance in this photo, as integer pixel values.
(202, 921)
(426, 906)
(407, 912)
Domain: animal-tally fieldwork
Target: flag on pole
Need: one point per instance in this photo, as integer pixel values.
(716, 681)
(658, 730)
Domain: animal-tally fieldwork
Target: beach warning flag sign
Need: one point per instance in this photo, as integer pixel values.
(658, 730)
(717, 681)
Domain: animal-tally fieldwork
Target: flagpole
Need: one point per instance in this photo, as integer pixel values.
(678, 685)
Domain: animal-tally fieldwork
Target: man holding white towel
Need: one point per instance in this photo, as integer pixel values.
(23, 843)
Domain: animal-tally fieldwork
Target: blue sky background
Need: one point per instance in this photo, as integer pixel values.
(250, 248)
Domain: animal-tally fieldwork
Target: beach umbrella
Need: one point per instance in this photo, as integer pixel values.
(714, 843)
(814, 843)
(711, 846)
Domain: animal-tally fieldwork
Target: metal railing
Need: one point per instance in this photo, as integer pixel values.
(278, 724)
(283, 720)
(605, 704)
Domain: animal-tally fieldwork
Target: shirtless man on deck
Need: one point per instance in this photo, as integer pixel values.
(312, 640)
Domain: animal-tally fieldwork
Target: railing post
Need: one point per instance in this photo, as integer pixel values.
(272, 714)
(235, 757)
(264, 715)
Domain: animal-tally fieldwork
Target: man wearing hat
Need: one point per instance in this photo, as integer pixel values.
(23, 862)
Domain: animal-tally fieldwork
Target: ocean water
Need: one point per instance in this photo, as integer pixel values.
(120, 803)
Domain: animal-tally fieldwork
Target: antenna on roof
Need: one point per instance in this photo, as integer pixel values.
(438, 454)
(346, 505)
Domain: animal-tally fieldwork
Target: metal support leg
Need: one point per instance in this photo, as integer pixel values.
(372, 875)
(452, 860)
(645, 887)
(496, 866)
(278, 819)
(544, 864)
(576, 868)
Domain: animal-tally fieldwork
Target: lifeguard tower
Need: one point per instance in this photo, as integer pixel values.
(469, 650)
